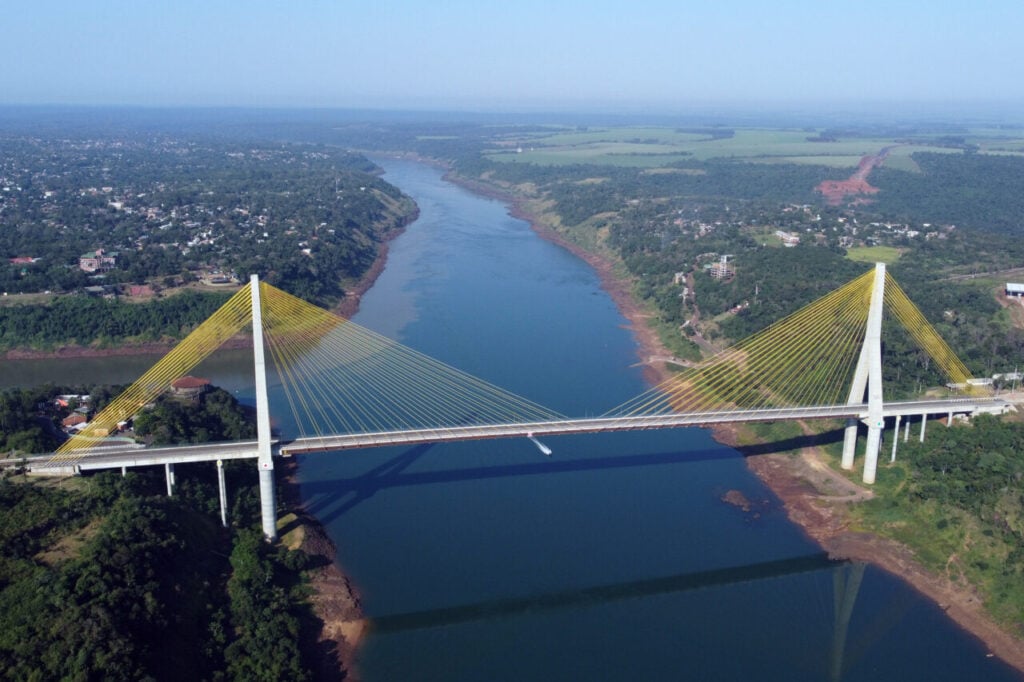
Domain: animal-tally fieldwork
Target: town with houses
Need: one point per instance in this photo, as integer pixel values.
(73, 411)
(111, 216)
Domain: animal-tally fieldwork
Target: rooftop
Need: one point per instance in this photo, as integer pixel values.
(189, 382)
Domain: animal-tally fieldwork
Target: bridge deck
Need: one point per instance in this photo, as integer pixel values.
(634, 423)
(115, 457)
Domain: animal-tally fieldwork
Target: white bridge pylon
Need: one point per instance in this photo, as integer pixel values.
(265, 462)
(868, 375)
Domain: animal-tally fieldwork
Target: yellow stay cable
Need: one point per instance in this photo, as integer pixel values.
(227, 321)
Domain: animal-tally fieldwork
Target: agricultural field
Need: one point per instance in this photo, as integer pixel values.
(998, 140)
(603, 153)
(658, 147)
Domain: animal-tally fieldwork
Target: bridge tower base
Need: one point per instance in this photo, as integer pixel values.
(868, 376)
(265, 462)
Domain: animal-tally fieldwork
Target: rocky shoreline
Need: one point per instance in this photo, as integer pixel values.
(334, 599)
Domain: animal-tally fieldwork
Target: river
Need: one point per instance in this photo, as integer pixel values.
(616, 557)
(479, 559)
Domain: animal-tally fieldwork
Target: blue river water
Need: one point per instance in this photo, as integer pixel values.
(616, 557)
(613, 559)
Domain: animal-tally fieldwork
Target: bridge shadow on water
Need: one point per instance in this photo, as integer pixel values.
(330, 499)
(361, 488)
(393, 474)
(602, 594)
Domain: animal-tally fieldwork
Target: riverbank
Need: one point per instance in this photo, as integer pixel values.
(121, 351)
(349, 305)
(334, 599)
(816, 497)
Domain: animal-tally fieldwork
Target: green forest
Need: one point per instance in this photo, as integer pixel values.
(976, 191)
(106, 577)
(93, 321)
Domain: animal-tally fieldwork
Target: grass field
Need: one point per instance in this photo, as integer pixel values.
(604, 155)
(874, 254)
(836, 161)
(25, 299)
(899, 158)
(765, 236)
(658, 147)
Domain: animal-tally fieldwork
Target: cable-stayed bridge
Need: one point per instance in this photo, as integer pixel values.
(348, 387)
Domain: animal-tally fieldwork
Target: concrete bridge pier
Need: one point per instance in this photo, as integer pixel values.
(268, 504)
(874, 444)
(223, 490)
(169, 475)
(895, 437)
(924, 423)
(849, 442)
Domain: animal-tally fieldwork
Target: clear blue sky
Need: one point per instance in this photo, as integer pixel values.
(485, 54)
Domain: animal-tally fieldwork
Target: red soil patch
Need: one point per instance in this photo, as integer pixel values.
(835, 191)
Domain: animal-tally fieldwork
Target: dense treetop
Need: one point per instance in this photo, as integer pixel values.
(108, 578)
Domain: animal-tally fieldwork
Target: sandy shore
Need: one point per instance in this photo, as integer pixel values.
(816, 498)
